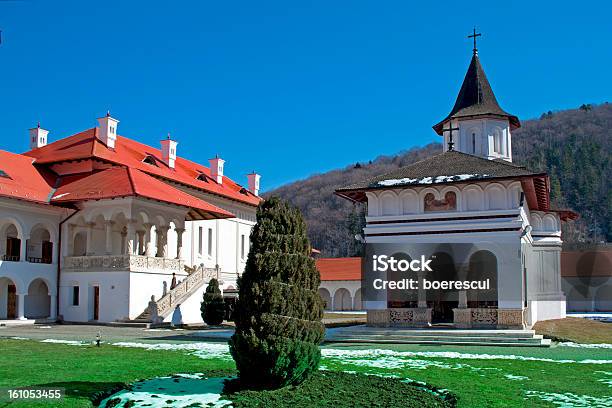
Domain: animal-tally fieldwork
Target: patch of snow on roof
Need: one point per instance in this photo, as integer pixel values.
(431, 180)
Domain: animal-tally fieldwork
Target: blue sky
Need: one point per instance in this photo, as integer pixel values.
(288, 88)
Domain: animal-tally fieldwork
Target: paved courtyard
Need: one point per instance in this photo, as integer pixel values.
(87, 333)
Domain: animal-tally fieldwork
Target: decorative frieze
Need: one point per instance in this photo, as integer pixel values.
(136, 263)
(511, 319)
(409, 317)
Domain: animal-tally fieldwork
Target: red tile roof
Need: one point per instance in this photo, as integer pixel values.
(344, 269)
(129, 153)
(21, 179)
(128, 182)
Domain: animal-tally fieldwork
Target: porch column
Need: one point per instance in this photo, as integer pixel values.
(131, 237)
(463, 273)
(23, 249)
(148, 244)
(53, 308)
(21, 306)
(89, 248)
(179, 242)
(162, 240)
(123, 248)
(109, 236)
(141, 250)
(422, 294)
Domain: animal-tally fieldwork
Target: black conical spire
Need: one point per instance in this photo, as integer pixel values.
(476, 98)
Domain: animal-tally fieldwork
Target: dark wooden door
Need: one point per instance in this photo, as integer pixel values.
(11, 307)
(96, 315)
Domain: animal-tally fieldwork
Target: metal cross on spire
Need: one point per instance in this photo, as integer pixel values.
(474, 35)
(450, 130)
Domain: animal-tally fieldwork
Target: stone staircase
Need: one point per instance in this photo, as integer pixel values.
(472, 337)
(198, 276)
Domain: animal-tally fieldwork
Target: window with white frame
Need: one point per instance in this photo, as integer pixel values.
(200, 241)
(210, 241)
(242, 246)
(75, 296)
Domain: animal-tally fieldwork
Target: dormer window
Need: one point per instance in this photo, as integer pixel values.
(202, 177)
(149, 160)
(4, 174)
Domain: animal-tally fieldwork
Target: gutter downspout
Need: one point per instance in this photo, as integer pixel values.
(59, 257)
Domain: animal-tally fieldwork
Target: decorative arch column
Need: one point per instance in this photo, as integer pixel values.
(179, 242)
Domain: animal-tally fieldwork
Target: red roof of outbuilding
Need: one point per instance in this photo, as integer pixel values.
(332, 269)
(130, 153)
(119, 182)
(21, 179)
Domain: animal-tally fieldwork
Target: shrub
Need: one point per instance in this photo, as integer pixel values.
(213, 306)
(278, 312)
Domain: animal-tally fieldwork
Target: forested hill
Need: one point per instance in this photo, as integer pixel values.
(573, 146)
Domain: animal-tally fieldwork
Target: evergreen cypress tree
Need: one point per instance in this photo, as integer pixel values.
(213, 306)
(279, 310)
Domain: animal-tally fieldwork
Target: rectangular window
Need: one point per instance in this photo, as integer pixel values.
(200, 238)
(242, 246)
(210, 241)
(75, 296)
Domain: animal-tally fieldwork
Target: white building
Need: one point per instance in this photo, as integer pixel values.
(340, 285)
(94, 224)
(478, 214)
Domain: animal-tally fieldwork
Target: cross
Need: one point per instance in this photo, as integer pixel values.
(474, 35)
(450, 130)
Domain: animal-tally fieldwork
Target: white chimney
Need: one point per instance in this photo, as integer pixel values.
(168, 151)
(107, 132)
(38, 137)
(216, 169)
(254, 182)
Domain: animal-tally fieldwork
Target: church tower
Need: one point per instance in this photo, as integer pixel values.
(478, 124)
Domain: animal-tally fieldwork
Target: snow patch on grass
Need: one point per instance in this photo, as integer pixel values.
(516, 377)
(569, 400)
(588, 346)
(181, 390)
(394, 357)
(607, 381)
(202, 350)
(70, 342)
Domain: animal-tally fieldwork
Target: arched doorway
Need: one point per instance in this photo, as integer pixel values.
(357, 301)
(8, 299)
(402, 298)
(37, 301)
(442, 301)
(325, 295)
(483, 266)
(342, 300)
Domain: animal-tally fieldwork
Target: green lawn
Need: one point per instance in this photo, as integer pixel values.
(478, 376)
(85, 370)
(488, 381)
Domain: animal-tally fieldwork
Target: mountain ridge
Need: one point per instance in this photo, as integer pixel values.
(573, 146)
